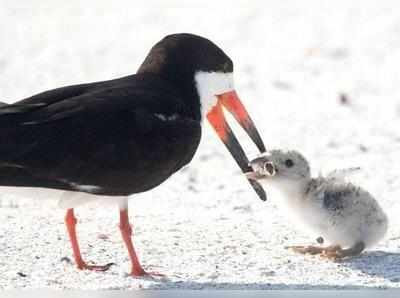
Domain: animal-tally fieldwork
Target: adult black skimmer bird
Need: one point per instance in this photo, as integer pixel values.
(112, 139)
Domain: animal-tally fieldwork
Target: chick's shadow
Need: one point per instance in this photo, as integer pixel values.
(376, 263)
(373, 263)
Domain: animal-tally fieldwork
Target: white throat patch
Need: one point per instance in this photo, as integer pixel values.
(210, 84)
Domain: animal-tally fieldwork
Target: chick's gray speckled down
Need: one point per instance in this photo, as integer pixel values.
(346, 216)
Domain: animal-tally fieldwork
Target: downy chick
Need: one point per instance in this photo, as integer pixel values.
(345, 216)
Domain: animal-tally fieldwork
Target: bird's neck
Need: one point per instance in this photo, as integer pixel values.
(181, 78)
(291, 189)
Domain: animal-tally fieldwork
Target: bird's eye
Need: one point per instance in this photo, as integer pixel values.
(226, 67)
(289, 163)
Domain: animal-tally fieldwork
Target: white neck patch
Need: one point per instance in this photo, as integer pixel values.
(210, 84)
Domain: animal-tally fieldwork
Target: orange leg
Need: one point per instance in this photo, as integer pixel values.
(70, 222)
(126, 232)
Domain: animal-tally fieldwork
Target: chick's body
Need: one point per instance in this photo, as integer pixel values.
(347, 217)
(342, 213)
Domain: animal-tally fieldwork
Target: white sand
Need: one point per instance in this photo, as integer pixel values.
(205, 227)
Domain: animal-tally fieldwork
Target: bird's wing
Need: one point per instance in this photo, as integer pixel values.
(13, 114)
(59, 94)
(45, 98)
(342, 174)
(334, 196)
(113, 126)
(333, 200)
(120, 94)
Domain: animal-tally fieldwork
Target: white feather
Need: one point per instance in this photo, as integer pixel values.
(66, 199)
(167, 118)
(210, 84)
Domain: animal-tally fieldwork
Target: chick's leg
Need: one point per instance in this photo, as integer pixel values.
(310, 249)
(332, 252)
(339, 253)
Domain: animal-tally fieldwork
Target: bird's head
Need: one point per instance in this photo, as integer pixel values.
(204, 75)
(286, 170)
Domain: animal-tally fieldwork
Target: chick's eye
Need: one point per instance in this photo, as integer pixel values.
(289, 163)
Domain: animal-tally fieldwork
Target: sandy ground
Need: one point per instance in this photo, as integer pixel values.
(205, 227)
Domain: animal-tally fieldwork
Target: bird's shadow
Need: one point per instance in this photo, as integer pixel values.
(376, 263)
(373, 263)
(195, 285)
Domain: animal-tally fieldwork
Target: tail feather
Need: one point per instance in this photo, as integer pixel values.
(7, 109)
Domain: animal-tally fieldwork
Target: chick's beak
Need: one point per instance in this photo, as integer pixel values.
(232, 103)
(261, 168)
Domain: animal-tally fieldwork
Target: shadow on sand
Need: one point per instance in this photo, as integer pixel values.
(374, 263)
(377, 263)
(192, 285)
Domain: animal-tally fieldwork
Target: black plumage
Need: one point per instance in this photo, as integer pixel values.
(104, 134)
(122, 136)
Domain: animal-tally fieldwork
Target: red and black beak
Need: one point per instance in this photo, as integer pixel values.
(232, 103)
